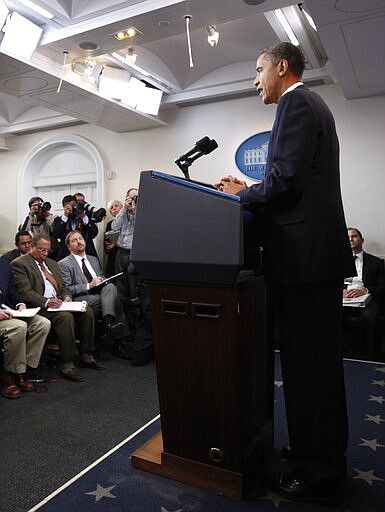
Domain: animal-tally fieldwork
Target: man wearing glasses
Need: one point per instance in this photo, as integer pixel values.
(39, 281)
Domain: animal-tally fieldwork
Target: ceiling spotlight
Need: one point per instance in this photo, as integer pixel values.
(286, 27)
(126, 34)
(131, 55)
(213, 35)
(37, 8)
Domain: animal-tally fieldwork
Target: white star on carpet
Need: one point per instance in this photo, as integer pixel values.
(377, 419)
(371, 443)
(101, 492)
(368, 476)
(275, 499)
(162, 509)
(379, 383)
(278, 383)
(380, 399)
(380, 369)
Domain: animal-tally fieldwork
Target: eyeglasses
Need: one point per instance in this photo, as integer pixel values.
(42, 250)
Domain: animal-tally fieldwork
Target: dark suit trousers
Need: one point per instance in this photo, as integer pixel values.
(307, 323)
(70, 326)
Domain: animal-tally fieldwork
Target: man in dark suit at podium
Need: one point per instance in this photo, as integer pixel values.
(306, 257)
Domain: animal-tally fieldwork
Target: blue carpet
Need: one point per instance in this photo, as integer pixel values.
(113, 485)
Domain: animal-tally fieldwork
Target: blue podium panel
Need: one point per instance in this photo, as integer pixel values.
(186, 231)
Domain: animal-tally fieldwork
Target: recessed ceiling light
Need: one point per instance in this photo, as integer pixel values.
(88, 46)
(164, 23)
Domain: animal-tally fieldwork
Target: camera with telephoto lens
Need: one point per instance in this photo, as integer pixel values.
(83, 207)
(44, 207)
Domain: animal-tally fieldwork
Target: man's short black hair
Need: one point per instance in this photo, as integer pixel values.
(67, 199)
(289, 52)
(21, 233)
(33, 200)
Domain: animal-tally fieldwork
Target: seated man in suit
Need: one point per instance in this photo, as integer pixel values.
(370, 279)
(23, 245)
(40, 282)
(82, 275)
(23, 339)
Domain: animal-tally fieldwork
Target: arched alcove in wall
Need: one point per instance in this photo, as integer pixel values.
(60, 165)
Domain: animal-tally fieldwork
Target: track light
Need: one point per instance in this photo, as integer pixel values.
(131, 55)
(37, 8)
(126, 34)
(213, 35)
(286, 27)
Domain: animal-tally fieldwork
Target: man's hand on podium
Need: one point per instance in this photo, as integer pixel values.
(230, 185)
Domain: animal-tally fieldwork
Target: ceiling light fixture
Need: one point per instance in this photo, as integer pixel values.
(21, 36)
(37, 8)
(65, 55)
(212, 35)
(126, 34)
(286, 27)
(188, 17)
(4, 11)
(131, 55)
(308, 17)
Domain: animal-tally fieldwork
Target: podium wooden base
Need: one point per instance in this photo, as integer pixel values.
(150, 457)
(215, 385)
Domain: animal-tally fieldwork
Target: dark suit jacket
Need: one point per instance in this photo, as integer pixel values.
(73, 276)
(10, 293)
(61, 229)
(305, 232)
(30, 282)
(373, 277)
(11, 255)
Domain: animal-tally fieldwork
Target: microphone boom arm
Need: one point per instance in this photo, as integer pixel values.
(202, 147)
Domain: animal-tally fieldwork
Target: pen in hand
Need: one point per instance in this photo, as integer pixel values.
(54, 302)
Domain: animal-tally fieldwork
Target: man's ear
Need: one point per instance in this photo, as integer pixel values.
(282, 67)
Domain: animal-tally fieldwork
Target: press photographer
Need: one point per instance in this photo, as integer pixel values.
(96, 215)
(39, 221)
(77, 216)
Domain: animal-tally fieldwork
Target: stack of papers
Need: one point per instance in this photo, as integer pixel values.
(358, 302)
(24, 313)
(78, 306)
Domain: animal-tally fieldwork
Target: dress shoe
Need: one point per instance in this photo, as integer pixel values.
(22, 383)
(115, 330)
(88, 361)
(71, 374)
(295, 487)
(9, 388)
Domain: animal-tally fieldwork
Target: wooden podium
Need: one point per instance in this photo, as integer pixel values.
(214, 368)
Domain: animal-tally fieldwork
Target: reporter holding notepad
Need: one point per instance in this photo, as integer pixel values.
(83, 276)
(23, 339)
(39, 280)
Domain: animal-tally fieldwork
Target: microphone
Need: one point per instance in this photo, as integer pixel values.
(204, 146)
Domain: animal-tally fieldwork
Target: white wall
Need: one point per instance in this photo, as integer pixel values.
(360, 124)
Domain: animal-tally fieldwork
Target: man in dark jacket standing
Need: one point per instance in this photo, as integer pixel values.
(306, 257)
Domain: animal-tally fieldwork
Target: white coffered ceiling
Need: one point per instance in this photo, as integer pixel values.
(351, 32)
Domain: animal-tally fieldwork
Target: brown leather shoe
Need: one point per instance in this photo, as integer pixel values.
(22, 383)
(9, 388)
